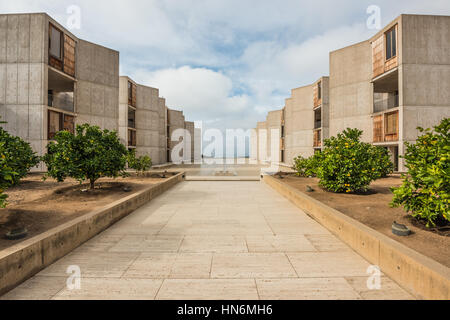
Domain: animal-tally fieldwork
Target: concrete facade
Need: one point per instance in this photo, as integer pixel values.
(181, 135)
(39, 94)
(304, 117)
(189, 142)
(386, 86)
(142, 126)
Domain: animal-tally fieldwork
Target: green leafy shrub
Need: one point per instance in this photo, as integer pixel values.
(89, 154)
(16, 160)
(307, 167)
(348, 165)
(140, 164)
(18, 155)
(425, 192)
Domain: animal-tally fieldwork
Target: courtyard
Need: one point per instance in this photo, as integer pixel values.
(203, 240)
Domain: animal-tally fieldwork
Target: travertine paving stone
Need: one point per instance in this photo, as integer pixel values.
(306, 289)
(212, 240)
(112, 289)
(211, 289)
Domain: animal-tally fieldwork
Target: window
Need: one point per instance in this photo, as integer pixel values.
(132, 138)
(130, 93)
(391, 44)
(54, 124)
(391, 123)
(55, 43)
(131, 118)
(58, 122)
(319, 90)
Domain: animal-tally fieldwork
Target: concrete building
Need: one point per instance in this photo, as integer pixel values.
(50, 80)
(189, 142)
(386, 86)
(393, 83)
(142, 120)
(180, 137)
(302, 125)
(273, 143)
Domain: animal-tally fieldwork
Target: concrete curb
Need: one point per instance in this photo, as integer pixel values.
(421, 276)
(22, 261)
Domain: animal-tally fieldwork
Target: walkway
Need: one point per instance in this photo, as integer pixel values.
(213, 240)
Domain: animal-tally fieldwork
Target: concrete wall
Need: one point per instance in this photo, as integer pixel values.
(150, 121)
(175, 122)
(162, 111)
(97, 89)
(23, 77)
(123, 109)
(351, 91)
(299, 124)
(424, 73)
(325, 108)
(189, 142)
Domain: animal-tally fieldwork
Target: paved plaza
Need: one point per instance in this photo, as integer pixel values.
(212, 240)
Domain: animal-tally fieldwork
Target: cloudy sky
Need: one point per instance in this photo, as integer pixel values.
(225, 62)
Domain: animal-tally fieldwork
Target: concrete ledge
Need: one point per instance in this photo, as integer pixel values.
(421, 276)
(22, 261)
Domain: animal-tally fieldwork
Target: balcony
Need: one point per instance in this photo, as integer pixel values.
(391, 102)
(61, 100)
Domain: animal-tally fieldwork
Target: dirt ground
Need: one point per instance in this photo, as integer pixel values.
(42, 205)
(373, 210)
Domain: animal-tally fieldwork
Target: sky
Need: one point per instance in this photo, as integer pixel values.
(224, 62)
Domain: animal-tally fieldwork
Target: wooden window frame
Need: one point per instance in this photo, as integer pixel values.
(61, 43)
(61, 121)
(386, 116)
(394, 31)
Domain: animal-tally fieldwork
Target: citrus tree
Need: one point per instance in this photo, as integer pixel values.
(16, 159)
(140, 164)
(348, 165)
(87, 155)
(18, 155)
(425, 192)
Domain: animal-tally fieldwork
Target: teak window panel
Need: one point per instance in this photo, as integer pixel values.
(386, 127)
(69, 55)
(61, 51)
(132, 94)
(378, 129)
(131, 138)
(55, 43)
(391, 126)
(318, 95)
(385, 52)
(317, 138)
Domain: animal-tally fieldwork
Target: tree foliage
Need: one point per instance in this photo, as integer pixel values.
(87, 155)
(425, 192)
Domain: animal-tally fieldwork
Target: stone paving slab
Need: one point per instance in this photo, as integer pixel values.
(213, 240)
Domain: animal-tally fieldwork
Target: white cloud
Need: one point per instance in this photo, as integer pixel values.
(196, 90)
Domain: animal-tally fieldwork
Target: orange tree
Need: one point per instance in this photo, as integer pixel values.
(425, 192)
(348, 165)
(140, 164)
(87, 155)
(16, 159)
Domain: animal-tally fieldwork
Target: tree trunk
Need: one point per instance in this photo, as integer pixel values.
(92, 182)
